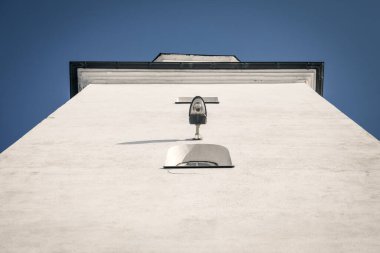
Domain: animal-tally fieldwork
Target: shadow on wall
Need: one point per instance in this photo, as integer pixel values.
(152, 141)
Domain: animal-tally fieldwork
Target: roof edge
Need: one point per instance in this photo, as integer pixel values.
(75, 65)
(206, 55)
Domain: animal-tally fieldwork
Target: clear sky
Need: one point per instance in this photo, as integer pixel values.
(39, 38)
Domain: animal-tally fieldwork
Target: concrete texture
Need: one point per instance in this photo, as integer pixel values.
(89, 177)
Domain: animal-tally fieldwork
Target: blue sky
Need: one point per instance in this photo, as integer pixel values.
(39, 38)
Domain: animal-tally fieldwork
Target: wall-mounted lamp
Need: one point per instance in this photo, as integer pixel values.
(197, 110)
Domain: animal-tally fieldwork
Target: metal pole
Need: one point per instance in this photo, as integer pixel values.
(197, 135)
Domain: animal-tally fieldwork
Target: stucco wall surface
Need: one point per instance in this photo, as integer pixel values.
(89, 177)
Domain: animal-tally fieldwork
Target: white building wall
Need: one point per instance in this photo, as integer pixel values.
(89, 177)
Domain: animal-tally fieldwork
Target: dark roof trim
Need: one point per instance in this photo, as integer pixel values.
(198, 167)
(74, 65)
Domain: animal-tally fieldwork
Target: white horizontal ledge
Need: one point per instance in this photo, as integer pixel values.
(171, 76)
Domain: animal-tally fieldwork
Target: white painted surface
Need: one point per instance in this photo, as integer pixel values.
(88, 178)
(191, 76)
(184, 153)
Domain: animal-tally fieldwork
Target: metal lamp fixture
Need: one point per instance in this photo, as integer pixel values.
(197, 110)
